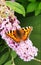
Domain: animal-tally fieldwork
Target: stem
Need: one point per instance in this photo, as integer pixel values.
(13, 61)
(37, 59)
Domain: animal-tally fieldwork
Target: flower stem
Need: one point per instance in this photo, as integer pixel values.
(13, 61)
(37, 59)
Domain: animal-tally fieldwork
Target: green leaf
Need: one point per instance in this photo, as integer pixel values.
(37, 12)
(1, 41)
(4, 56)
(20, 1)
(32, 0)
(40, 5)
(2, 45)
(8, 63)
(13, 54)
(31, 7)
(16, 7)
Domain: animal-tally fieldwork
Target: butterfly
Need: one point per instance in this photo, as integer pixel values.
(21, 34)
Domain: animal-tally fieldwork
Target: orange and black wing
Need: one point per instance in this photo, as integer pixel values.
(21, 34)
(13, 35)
(27, 32)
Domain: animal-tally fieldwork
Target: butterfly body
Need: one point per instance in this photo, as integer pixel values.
(21, 34)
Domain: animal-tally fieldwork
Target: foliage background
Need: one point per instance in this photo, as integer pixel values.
(32, 18)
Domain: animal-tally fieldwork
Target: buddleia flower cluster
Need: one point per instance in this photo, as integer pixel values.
(8, 21)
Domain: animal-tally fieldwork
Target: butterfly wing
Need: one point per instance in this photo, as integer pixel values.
(13, 35)
(27, 32)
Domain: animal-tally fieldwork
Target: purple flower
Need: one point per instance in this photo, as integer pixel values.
(24, 49)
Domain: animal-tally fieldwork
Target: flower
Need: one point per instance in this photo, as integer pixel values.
(24, 49)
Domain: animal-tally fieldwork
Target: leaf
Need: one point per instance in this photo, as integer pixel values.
(8, 63)
(40, 5)
(4, 56)
(32, 0)
(13, 54)
(20, 1)
(1, 41)
(37, 12)
(16, 7)
(31, 7)
(2, 45)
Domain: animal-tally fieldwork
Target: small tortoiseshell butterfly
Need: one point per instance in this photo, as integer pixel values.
(21, 34)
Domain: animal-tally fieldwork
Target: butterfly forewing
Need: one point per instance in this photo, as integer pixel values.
(13, 36)
(27, 31)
